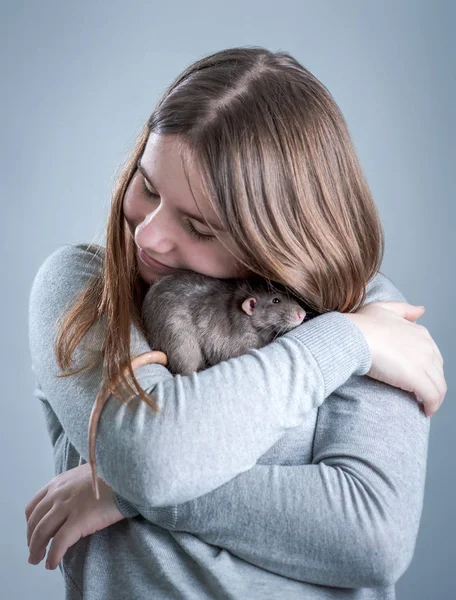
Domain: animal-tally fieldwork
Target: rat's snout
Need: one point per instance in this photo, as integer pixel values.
(301, 313)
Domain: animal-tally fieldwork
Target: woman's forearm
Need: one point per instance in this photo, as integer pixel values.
(349, 519)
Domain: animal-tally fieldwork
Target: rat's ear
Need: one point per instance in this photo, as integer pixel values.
(248, 306)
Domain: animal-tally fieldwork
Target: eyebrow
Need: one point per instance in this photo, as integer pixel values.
(186, 213)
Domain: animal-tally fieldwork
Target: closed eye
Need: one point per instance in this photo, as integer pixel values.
(146, 190)
(196, 234)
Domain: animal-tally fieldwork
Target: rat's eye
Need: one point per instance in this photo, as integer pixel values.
(275, 300)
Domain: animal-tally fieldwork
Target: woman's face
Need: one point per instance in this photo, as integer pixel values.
(161, 214)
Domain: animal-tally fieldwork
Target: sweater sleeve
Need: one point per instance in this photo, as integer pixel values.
(348, 519)
(213, 425)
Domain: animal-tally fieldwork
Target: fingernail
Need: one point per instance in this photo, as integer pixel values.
(48, 566)
(30, 560)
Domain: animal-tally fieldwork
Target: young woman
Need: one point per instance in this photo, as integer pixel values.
(294, 471)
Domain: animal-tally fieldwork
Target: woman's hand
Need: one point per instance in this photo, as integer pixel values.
(404, 354)
(66, 509)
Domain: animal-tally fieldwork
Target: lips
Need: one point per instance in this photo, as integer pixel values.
(150, 262)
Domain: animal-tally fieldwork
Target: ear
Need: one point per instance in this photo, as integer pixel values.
(248, 306)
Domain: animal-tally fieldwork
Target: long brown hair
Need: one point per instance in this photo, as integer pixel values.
(278, 166)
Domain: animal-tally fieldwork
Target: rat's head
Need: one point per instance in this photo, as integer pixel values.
(271, 312)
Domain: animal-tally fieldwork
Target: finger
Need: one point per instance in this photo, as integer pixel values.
(435, 374)
(44, 531)
(34, 501)
(428, 393)
(65, 537)
(40, 510)
(403, 309)
(413, 313)
(35, 560)
(437, 350)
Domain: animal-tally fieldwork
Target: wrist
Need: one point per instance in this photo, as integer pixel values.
(338, 346)
(126, 508)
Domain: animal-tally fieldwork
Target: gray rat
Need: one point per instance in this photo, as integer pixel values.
(199, 321)
(194, 321)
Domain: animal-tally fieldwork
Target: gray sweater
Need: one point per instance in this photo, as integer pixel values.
(280, 474)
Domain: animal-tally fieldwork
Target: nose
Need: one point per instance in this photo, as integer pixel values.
(154, 233)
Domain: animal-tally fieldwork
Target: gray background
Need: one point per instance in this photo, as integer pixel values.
(79, 80)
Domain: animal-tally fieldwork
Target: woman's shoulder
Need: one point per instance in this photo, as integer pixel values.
(82, 250)
(71, 259)
(64, 273)
(382, 289)
(60, 278)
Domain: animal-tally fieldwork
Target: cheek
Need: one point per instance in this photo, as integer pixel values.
(132, 205)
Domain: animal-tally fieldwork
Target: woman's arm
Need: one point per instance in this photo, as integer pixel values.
(349, 519)
(212, 425)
